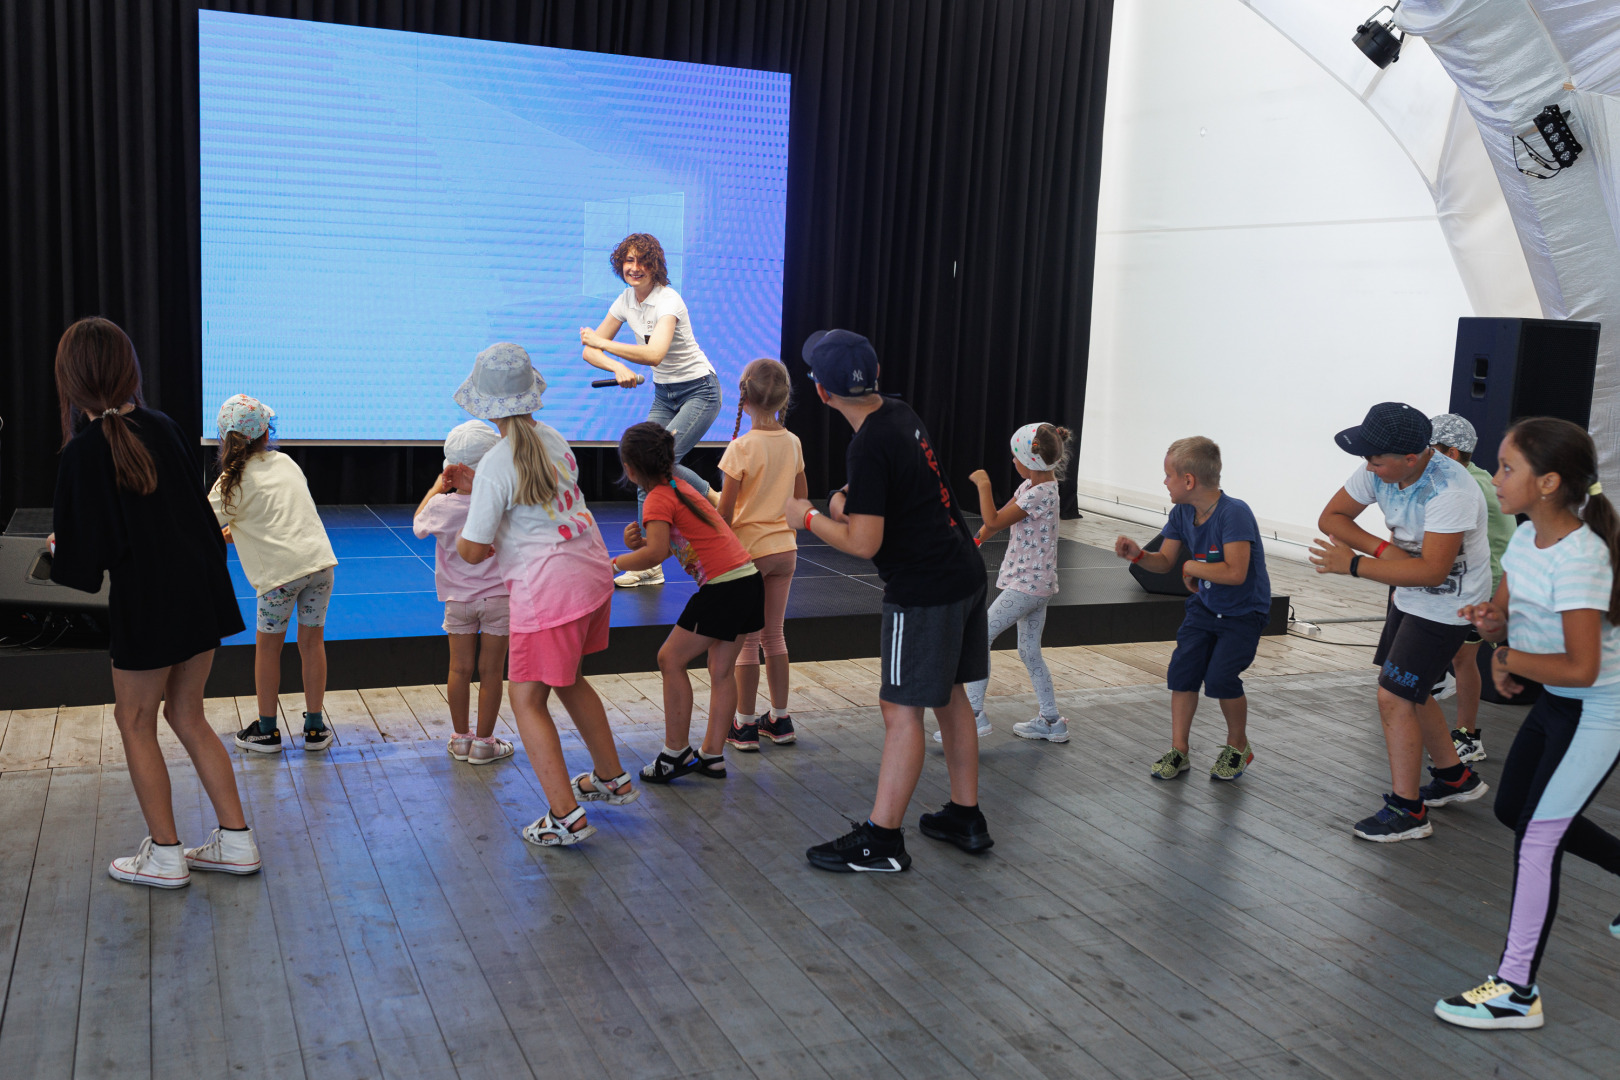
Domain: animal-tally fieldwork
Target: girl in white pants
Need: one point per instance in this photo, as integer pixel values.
(1028, 578)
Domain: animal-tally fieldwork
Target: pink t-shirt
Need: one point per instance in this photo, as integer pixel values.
(454, 577)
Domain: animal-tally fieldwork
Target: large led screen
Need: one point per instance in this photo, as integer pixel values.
(378, 206)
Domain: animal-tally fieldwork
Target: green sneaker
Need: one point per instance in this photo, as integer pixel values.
(1171, 765)
(1230, 762)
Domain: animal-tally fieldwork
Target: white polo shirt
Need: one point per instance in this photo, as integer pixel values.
(684, 361)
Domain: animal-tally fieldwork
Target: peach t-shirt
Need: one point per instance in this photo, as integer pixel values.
(765, 464)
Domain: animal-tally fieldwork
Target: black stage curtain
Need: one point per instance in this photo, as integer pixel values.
(942, 199)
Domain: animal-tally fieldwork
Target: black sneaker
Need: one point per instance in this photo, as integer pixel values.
(1438, 792)
(1394, 823)
(861, 850)
(255, 738)
(319, 736)
(970, 832)
(777, 729)
(743, 736)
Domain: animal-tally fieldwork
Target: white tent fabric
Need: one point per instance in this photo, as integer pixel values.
(1509, 59)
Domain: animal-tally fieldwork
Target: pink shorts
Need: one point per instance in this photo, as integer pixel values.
(491, 615)
(552, 656)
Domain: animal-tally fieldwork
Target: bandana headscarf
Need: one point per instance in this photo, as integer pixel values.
(1023, 448)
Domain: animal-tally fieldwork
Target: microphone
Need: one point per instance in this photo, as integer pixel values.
(614, 382)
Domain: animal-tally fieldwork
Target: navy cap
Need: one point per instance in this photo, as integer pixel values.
(1390, 428)
(842, 362)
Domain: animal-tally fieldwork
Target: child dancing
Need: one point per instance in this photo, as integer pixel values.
(477, 613)
(762, 470)
(1028, 576)
(263, 503)
(728, 605)
(1227, 612)
(1559, 600)
(526, 502)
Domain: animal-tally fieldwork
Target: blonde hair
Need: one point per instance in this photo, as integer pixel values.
(1199, 456)
(536, 474)
(764, 385)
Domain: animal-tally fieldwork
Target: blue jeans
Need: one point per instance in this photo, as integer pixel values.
(685, 409)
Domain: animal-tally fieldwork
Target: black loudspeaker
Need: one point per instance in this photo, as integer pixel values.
(1506, 369)
(26, 585)
(1168, 583)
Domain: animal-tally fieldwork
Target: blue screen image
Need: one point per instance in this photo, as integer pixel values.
(378, 206)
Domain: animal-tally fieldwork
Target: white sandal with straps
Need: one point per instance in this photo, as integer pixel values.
(615, 792)
(550, 832)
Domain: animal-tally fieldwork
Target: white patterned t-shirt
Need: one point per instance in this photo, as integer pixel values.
(1030, 565)
(1543, 583)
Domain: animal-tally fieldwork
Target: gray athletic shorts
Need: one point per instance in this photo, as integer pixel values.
(929, 650)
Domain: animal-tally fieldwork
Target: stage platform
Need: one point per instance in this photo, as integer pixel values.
(384, 625)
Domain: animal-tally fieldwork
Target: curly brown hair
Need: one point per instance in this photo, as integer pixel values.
(235, 451)
(648, 250)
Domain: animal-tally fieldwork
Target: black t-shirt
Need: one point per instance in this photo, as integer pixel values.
(169, 594)
(928, 556)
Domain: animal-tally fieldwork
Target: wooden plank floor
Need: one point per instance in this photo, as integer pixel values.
(1120, 927)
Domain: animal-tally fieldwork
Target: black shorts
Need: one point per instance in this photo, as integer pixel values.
(726, 611)
(929, 650)
(1413, 653)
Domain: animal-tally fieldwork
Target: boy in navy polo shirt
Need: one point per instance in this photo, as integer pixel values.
(1227, 612)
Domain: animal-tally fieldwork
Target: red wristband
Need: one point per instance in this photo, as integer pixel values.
(1379, 550)
(808, 514)
(1140, 555)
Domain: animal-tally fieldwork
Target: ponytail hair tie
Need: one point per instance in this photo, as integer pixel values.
(1595, 489)
(109, 412)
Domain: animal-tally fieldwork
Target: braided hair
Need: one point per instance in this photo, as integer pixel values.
(764, 385)
(649, 449)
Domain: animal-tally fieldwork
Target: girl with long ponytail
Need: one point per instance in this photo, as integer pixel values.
(728, 605)
(128, 508)
(1558, 610)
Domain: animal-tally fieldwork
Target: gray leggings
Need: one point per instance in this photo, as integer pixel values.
(1029, 612)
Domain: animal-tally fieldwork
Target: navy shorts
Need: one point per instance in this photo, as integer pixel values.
(1213, 650)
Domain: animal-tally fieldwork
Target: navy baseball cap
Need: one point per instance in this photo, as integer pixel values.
(842, 362)
(1390, 427)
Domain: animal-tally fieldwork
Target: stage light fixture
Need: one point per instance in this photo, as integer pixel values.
(1562, 148)
(1378, 39)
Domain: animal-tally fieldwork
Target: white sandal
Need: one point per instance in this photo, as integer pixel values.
(615, 792)
(549, 832)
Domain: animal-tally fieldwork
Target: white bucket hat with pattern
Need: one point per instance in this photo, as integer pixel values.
(503, 383)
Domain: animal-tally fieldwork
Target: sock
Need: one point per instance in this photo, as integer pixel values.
(245, 828)
(963, 813)
(892, 835)
(1451, 775)
(1522, 991)
(711, 757)
(779, 714)
(675, 753)
(313, 720)
(267, 724)
(743, 720)
(156, 844)
(1411, 806)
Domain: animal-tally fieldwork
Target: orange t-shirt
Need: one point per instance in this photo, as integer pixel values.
(705, 546)
(764, 464)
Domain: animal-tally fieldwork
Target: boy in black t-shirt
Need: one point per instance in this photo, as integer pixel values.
(898, 511)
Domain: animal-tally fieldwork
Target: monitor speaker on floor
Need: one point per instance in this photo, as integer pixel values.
(1506, 369)
(36, 611)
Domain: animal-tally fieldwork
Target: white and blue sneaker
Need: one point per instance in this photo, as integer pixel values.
(1491, 1005)
(980, 722)
(1614, 927)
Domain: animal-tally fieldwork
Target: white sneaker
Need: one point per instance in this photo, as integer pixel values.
(159, 867)
(984, 728)
(631, 578)
(1038, 728)
(227, 851)
(1470, 746)
(1446, 687)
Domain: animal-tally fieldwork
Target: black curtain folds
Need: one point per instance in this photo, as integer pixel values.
(943, 173)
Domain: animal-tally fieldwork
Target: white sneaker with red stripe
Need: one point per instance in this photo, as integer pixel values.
(227, 851)
(162, 867)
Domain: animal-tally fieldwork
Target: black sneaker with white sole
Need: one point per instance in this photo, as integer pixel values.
(778, 729)
(255, 738)
(317, 736)
(963, 826)
(862, 850)
(1438, 792)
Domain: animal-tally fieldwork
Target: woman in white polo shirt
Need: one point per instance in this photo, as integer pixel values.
(686, 390)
